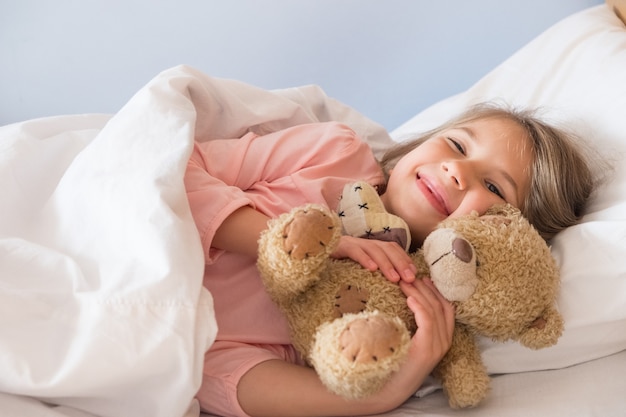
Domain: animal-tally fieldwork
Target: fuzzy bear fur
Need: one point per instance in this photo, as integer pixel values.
(353, 325)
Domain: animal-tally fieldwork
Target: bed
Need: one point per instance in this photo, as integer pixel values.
(102, 309)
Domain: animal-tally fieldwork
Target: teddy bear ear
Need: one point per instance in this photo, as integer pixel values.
(544, 331)
(506, 210)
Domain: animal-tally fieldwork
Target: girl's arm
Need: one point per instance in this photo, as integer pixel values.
(306, 163)
(276, 388)
(240, 231)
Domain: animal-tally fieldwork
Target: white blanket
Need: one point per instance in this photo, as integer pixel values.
(102, 307)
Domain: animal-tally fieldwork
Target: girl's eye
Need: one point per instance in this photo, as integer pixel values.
(457, 145)
(494, 190)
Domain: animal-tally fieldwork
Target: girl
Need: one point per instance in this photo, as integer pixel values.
(486, 156)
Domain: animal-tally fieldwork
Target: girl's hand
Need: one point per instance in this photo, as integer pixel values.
(434, 316)
(388, 257)
(432, 340)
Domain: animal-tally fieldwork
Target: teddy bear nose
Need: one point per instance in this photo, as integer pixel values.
(462, 249)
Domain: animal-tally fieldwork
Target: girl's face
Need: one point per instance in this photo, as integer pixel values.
(463, 169)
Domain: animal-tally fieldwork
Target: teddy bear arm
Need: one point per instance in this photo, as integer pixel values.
(294, 249)
(544, 331)
(462, 372)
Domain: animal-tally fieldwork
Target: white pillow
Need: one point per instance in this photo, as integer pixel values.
(576, 73)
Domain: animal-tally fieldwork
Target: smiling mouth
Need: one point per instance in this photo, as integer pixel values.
(432, 196)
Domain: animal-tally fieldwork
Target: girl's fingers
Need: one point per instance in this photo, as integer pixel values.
(433, 313)
(388, 257)
(448, 307)
(392, 261)
(350, 248)
(425, 296)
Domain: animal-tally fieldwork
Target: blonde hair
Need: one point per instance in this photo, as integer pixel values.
(561, 178)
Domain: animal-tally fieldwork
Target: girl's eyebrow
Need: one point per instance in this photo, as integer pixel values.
(507, 177)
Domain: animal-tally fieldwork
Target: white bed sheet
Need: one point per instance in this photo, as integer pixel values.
(102, 308)
(101, 303)
(596, 388)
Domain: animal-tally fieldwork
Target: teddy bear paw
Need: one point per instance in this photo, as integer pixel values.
(355, 355)
(308, 233)
(370, 339)
(466, 384)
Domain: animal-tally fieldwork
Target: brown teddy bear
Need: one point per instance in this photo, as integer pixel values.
(353, 325)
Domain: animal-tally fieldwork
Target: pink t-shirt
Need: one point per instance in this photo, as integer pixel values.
(272, 173)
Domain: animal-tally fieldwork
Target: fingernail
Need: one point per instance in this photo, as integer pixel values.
(394, 275)
(408, 274)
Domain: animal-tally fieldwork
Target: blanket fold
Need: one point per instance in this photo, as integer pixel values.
(102, 307)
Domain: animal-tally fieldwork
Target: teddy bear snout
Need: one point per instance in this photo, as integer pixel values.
(452, 262)
(460, 248)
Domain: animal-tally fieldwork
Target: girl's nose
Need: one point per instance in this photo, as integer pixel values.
(456, 172)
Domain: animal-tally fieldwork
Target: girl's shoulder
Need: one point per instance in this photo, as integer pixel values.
(327, 135)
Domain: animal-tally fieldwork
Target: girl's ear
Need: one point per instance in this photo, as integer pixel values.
(544, 331)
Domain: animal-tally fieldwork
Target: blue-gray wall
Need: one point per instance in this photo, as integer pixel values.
(387, 58)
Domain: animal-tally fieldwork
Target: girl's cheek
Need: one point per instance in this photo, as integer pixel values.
(478, 202)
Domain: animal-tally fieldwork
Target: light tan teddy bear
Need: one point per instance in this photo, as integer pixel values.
(354, 327)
